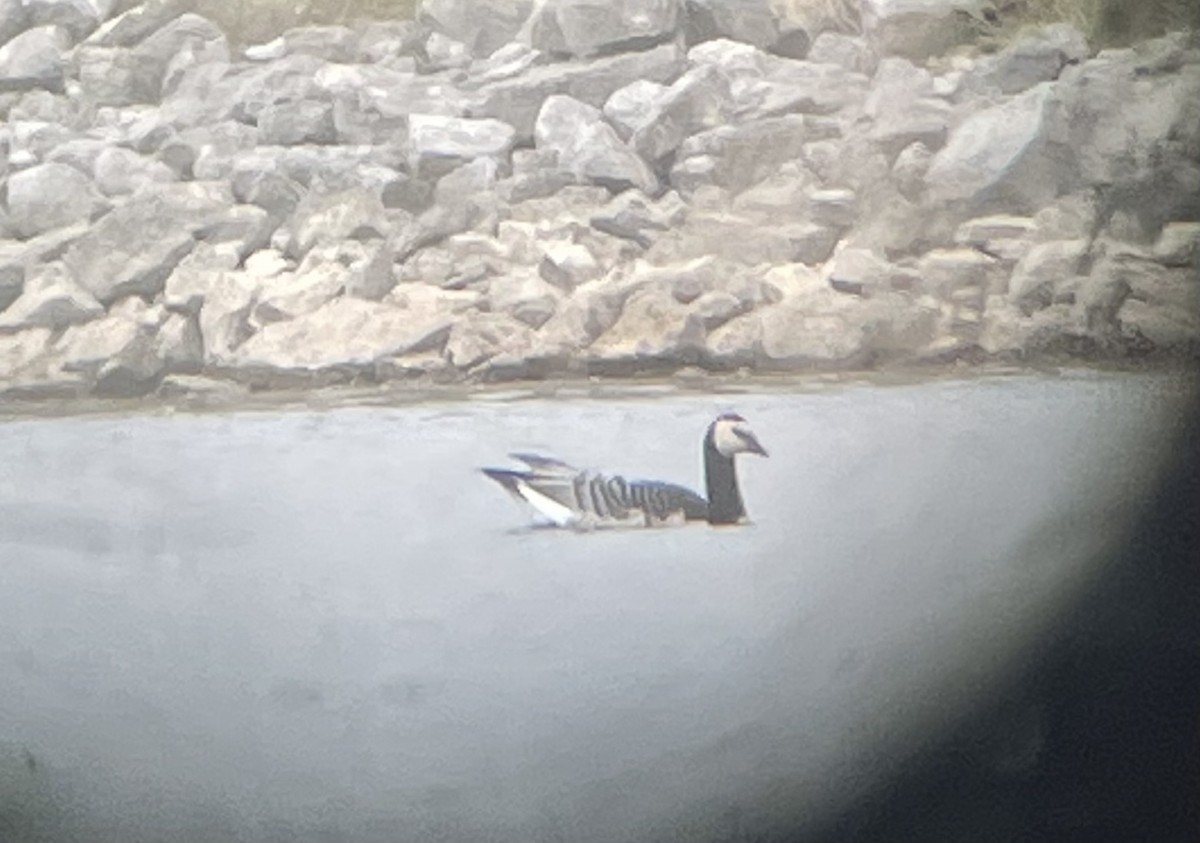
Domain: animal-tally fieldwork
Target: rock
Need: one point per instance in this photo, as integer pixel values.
(481, 336)
(1179, 245)
(78, 17)
(437, 145)
(274, 192)
(115, 75)
(747, 241)
(903, 109)
(1039, 56)
(121, 171)
(136, 24)
(16, 258)
(910, 168)
(861, 272)
(357, 269)
(1132, 132)
(355, 214)
(196, 388)
(918, 29)
(633, 106)
(190, 280)
(483, 27)
(12, 283)
(35, 59)
(653, 329)
(50, 196)
(782, 195)
(245, 228)
(347, 333)
(634, 217)
(524, 296)
(442, 53)
(1166, 330)
(518, 101)
(20, 350)
(837, 208)
(853, 54)
(292, 123)
(567, 265)
(1071, 217)
(581, 28)
(748, 21)
(332, 43)
(945, 272)
(1046, 265)
(179, 344)
(589, 148)
(698, 100)
(1005, 237)
(87, 347)
(224, 317)
(51, 299)
(763, 85)
(13, 19)
(133, 249)
(736, 157)
(993, 158)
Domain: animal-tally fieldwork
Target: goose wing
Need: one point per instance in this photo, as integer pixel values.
(568, 496)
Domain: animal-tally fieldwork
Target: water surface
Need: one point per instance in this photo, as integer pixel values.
(326, 625)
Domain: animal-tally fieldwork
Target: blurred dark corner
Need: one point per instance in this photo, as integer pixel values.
(1100, 742)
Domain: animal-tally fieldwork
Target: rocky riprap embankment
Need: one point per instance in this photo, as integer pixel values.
(508, 188)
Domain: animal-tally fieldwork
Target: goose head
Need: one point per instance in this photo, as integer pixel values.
(731, 435)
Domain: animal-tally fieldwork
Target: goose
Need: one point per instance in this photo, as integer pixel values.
(569, 497)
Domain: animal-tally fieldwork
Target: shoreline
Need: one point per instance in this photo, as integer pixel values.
(400, 394)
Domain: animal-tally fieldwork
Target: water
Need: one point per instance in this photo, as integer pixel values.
(328, 626)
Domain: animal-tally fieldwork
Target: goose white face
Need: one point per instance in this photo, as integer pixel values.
(731, 435)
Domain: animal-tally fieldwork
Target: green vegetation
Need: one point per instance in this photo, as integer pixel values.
(1106, 23)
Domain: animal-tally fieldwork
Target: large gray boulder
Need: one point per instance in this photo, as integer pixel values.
(735, 157)
(1043, 270)
(918, 29)
(1038, 56)
(49, 196)
(1132, 127)
(437, 144)
(995, 159)
(484, 26)
(133, 249)
(120, 171)
(355, 214)
(582, 28)
(188, 284)
(13, 19)
(698, 100)
(134, 25)
(764, 85)
(517, 100)
(300, 122)
(346, 334)
(51, 299)
(903, 108)
(589, 148)
(117, 75)
(753, 22)
(78, 17)
(35, 59)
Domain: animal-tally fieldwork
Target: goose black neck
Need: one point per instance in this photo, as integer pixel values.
(720, 476)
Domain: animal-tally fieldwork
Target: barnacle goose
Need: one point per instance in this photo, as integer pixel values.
(569, 497)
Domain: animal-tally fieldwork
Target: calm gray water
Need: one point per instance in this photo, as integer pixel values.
(328, 626)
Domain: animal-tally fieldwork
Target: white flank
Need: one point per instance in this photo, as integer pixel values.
(552, 509)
